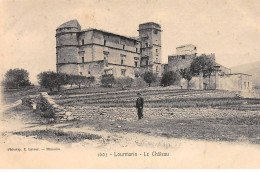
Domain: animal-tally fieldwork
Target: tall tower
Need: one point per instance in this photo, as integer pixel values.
(150, 37)
(67, 47)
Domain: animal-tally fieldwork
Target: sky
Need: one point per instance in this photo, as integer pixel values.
(228, 28)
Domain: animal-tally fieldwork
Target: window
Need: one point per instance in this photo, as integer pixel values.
(136, 63)
(123, 72)
(82, 58)
(146, 62)
(105, 54)
(195, 48)
(105, 42)
(123, 47)
(109, 71)
(156, 60)
(248, 84)
(122, 59)
(245, 84)
(183, 57)
(96, 67)
(136, 49)
(157, 52)
(146, 44)
(88, 72)
(83, 42)
(157, 69)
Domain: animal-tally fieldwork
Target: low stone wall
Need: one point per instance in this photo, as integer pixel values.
(44, 105)
(49, 109)
(29, 101)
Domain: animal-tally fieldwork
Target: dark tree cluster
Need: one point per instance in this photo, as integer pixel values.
(53, 80)
(169, 78)
(108, 80)
(16, 78)
(149, 77)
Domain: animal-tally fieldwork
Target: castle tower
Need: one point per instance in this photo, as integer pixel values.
(150, 37)
(67, 56)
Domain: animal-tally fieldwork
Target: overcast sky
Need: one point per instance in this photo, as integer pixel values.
(230, 29)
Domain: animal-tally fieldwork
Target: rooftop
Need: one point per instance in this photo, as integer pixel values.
(150, 23)
(239, 74)
(186, 45)
(103, 31)
(72, 23)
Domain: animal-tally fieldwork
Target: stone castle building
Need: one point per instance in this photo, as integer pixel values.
(93, 52)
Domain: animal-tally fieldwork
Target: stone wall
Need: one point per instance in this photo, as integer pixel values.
(49, 109)
(235, 82)
(196, 83)
(180, 61)
(68, 68)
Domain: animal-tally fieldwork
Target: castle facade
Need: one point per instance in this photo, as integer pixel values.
(93, 52)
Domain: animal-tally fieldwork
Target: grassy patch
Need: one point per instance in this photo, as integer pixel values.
(58, 135)
(12, 95)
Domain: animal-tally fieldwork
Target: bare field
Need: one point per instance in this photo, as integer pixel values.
(210, 115)
(206, 115)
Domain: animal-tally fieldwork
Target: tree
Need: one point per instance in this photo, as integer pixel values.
(149, 77)
(202, 64)
(71, 80)
(79, 79)
(169, 78)
(108, 80)
(90, 80)
(186, 74)
(124, 82)
(61, 79)
(16, 78)
(52, 80)
(47, 80)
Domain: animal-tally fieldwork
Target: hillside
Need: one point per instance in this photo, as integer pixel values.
(250, 68)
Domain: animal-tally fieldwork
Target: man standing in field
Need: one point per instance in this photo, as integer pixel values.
(139, 106)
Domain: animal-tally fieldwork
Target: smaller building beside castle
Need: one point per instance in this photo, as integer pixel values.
(221, 78)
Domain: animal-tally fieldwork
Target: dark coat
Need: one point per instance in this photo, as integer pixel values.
(139, 103)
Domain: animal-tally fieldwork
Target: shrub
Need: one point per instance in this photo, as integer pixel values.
(169, 78)
(108, 80)
(124, 82)
(186, 74)
(90, 80)
(139, 82)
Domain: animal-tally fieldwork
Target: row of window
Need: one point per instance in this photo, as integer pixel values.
(105, 43)
(110, 71)
(122, 60)
(143, 52)
(123, 72)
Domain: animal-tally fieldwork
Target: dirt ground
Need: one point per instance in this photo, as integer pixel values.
(87, 141)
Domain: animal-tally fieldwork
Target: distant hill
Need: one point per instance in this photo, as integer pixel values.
(250, 68)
